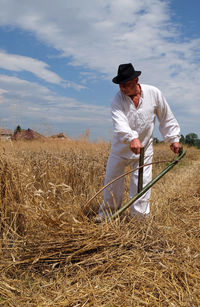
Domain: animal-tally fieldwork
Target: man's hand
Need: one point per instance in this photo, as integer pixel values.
(135, 146)
(175, 147)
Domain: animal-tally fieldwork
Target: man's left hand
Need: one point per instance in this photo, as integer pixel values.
(175, 147)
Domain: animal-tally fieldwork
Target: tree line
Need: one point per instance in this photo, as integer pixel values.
(190, 139)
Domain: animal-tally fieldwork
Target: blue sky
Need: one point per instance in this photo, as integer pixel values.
(57, 59)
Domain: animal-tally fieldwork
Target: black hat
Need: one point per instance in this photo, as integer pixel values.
(126, 72)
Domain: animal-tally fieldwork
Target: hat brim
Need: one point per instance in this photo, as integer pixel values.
(118, 80)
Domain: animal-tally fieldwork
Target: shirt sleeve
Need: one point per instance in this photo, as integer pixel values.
(168, 125)
(121, 125)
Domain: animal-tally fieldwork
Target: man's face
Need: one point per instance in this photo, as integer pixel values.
(129, 88)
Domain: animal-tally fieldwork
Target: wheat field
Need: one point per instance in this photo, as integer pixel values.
(52, 253)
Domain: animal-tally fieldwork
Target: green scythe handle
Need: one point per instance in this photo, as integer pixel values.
(149, 185)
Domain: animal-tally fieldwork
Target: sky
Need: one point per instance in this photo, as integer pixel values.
(58, 58)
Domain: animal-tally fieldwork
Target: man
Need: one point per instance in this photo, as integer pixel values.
(134, 109)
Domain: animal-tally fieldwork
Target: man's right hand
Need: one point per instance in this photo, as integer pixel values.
(135, 146)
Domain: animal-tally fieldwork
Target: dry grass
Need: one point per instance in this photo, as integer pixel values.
(52, 252)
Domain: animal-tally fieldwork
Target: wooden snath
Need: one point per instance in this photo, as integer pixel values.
(140, 171)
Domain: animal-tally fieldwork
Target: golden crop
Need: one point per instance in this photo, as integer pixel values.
(53, 254)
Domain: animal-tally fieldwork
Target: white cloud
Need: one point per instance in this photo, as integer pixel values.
(98, 35)
(17, 102)
(17, 63)
(2, 91)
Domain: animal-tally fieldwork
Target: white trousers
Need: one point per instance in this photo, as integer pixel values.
(113, 194)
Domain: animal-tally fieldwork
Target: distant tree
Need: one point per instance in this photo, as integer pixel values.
(182, 139)
(197, 144)
(17, 129)
(191, 139)
(156, 140)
